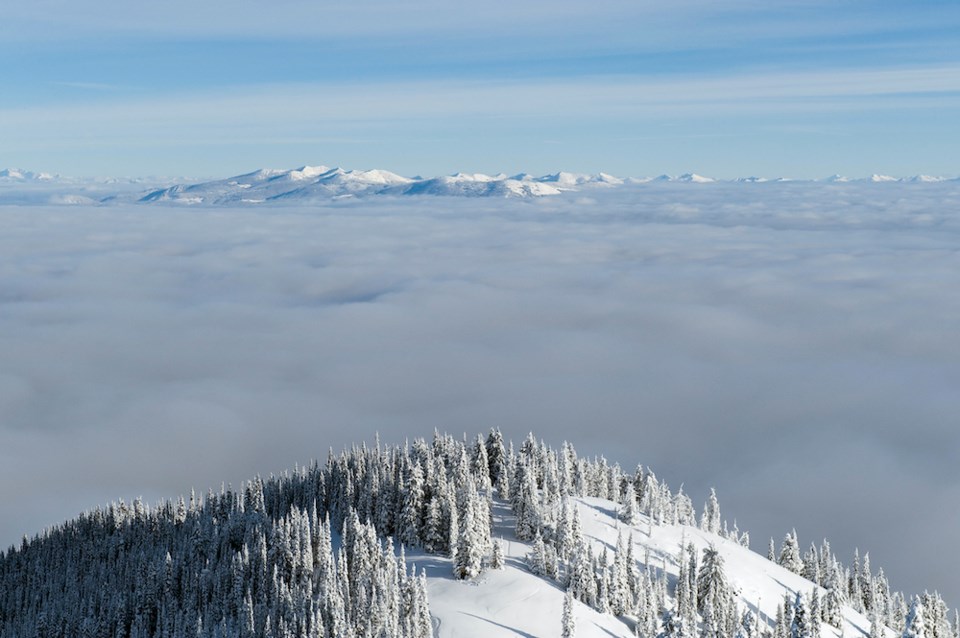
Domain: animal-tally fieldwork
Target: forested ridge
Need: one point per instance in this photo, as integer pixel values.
(318, 552)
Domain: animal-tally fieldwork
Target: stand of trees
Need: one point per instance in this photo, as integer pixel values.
(319, 553)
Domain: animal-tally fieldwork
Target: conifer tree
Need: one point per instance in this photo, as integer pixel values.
(453, 524)
(412, 511)
(782, 626)
(619, 580)
(496, 558)
(468, 559)
(712, 585)
(800, 627)
(434, 533)
(672, 625)
(876, 626)
(811, 565)
(710, 520)
(630, 509)
(834, 599)
(537, 558)
(568, 625)
(747, 627)
(914, 626)
(790, 553)
(935, 616)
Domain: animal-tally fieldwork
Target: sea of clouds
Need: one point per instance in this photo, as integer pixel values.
(794, 345)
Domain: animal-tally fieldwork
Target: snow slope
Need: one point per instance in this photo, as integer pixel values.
(513, 602)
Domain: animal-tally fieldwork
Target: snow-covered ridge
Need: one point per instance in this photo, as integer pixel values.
(323, 183)
(447, 539)
(18, 175)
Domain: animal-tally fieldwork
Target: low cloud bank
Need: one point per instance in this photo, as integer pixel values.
(793, 345)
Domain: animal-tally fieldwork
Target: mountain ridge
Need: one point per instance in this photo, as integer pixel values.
(322, 183)
(449, 539)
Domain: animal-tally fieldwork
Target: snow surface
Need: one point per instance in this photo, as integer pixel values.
(514, 602)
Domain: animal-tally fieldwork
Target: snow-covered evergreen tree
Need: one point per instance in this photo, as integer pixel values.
(630, 509)
(790, 553)
(811, 565)
(471, 541)
(914, 626)
(876, 625)
(672, 625)
(537, 558)
(712, 584)
(496, 558)
(748, 626)
(800, 626)
(816, 613)
(834, 599)
(568, 623)
(710, 519)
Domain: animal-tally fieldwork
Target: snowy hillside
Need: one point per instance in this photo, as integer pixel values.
(513, 601)
(448, 539)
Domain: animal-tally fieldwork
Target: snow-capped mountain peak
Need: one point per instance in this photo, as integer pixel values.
(695, 179)
(307, 172)
(20, 175)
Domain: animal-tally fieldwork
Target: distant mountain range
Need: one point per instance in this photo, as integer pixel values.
(314, 183)
(16, 175)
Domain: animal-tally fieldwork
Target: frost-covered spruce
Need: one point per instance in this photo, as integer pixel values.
(747, 627)
(914, 626)
(672, 625)
(630, 509)
(800, 626)
(712, 585)
(710, 520)
(472, 539)
(568, 625)
(537, 558)
(790, 553)
(497, 461)
(496, 558)
(834, 599)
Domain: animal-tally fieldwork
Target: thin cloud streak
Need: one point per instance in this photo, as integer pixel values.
(351, 101)
(270, 112)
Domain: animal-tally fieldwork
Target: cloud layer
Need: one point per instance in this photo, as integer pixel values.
(793, 345)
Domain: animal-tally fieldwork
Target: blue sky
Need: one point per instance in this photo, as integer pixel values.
(797, 88)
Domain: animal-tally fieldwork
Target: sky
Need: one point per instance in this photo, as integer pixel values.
(792, 344)
(798, 88)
